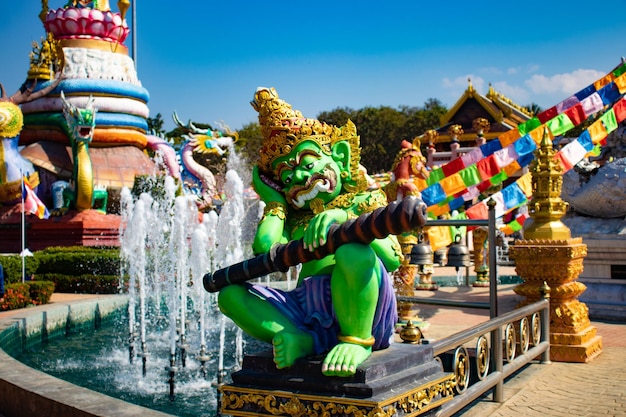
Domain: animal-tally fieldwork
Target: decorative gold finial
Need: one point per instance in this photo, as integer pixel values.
(455, 132)
(284, 128)
(546, 207)
(481, 125)
(44, 11)
(431, 137)
(123, 6)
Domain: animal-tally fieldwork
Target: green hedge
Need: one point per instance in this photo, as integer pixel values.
(75, 269)
(20, 295)
(84, 284)
(12, 265)
(78, 261)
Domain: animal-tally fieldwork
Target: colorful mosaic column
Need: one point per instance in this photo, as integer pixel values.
(404, 277)
(549, 254)
(481, 256)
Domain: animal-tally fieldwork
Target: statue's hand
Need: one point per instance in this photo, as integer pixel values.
(316, 232)
(264, 190)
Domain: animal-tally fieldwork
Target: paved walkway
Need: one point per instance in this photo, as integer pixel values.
(558, 389)
(596, 388)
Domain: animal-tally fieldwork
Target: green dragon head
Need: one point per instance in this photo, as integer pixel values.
(81, 122)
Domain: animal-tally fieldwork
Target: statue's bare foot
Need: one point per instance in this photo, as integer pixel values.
(289, 347)
(344, 358)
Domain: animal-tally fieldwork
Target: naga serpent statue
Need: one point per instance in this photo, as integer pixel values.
(205, 141)
(81, 123)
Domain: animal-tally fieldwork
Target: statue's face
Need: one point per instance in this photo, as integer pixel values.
(308, 173)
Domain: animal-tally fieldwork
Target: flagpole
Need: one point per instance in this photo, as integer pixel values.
(133, 10)
(23, 230)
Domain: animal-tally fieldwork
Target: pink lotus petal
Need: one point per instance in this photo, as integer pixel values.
(97, 15)
(70, 26)
(97, 28)
(71, 13)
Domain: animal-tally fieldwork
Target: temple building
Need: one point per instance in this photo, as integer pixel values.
(471, 121)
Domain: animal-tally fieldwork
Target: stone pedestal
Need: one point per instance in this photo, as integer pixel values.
(403, 380)
(558, 263)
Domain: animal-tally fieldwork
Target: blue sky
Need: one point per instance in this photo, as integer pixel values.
(204, 60)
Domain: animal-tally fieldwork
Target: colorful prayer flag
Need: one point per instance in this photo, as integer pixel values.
(32, 203)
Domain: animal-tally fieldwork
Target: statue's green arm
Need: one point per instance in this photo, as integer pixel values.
(271, 228)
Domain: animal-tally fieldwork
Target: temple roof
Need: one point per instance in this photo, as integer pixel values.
(502, 114)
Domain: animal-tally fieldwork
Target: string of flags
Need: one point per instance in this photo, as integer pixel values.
(450, 186)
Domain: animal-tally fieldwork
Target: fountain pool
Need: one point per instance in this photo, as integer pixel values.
(98, 360)
(174, 346)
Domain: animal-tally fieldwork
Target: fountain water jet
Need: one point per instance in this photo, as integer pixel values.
(166, 249)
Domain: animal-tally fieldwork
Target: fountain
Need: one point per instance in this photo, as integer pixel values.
(177, 347)
(166, 250)
(176, 340)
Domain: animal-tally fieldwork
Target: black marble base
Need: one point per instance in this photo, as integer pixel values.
(397, 368)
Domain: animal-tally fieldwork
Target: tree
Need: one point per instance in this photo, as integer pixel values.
(337, 117)
(249, 143)
(155, 124)
(382, 129)
(534, 108)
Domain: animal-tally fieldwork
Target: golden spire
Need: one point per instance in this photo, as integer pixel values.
(44, 11)
(546, 207)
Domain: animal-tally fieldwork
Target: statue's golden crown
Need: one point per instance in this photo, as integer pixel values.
(284, 128)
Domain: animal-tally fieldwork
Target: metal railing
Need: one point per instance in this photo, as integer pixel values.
(503, 345)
